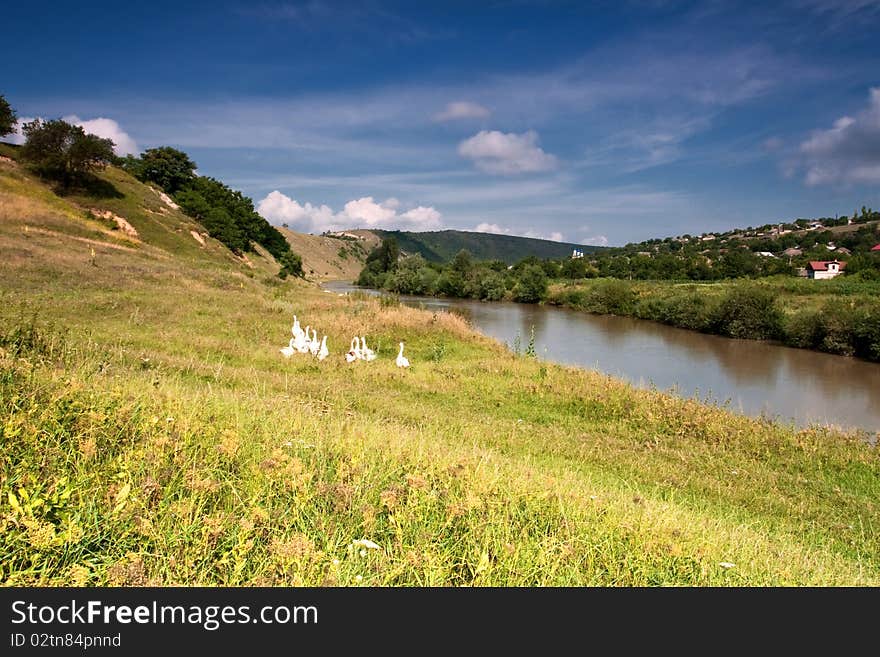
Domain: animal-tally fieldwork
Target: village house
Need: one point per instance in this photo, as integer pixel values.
(820, 269)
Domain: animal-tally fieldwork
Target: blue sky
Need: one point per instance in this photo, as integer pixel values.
(595, 123)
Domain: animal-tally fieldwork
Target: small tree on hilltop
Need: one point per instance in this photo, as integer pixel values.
(7, 117)
(63, 151)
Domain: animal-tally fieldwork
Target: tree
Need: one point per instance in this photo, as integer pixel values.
(7, 117)
(463, 262)
(168, 167)
(291, 265)
(63, 151)
(532, 285)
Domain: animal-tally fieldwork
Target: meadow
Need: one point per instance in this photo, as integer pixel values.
(152, 434)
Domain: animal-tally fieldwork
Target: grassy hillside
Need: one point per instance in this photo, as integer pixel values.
(152, 433)
(441, 246)
(329, 258)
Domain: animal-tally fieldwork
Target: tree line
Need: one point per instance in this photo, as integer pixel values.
(464, 277)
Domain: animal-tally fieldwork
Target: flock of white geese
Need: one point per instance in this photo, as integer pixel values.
(305, 341)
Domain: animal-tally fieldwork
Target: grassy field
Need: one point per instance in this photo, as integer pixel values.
(152, 434)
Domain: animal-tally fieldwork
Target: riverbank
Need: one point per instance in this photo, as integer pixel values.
(836, 316)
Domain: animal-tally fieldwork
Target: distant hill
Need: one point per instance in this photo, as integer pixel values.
(441, 246)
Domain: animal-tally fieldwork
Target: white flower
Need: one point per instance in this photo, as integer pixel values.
(366, 543)
(726, 564)
(358, 578)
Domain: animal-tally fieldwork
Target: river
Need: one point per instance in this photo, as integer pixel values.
(755, 378)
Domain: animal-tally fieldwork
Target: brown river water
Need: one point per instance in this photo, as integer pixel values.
(795, 386)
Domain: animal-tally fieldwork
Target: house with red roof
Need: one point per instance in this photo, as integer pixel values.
(820, 269)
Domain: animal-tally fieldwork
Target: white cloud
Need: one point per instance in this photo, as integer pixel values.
(17, 136)
(506, 153)
(108, 129)
(360, 213)
(848, 152)
(462, 110)
(307, 218)
(597, 240)
(422, 218)
(365, 211)
(486, 227)
(101, 127)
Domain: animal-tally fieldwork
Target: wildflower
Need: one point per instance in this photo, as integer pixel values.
(359, 578)
(726, 564)
(365, 543)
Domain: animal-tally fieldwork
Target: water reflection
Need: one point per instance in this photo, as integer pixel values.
(756, 378)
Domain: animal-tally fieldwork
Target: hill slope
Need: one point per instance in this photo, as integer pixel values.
(117, 212)
(326, 257)
(441, 246)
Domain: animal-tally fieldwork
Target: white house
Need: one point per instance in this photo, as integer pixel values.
(820, 269)
(577, 254)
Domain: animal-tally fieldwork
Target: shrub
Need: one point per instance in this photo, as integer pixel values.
(613, 297)
(804, 330)
(748, 312)
(532, 285)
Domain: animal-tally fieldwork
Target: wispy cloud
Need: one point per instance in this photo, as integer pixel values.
(461, 109)
(485, 227)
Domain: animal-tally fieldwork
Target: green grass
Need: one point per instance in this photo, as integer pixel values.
(152, 433)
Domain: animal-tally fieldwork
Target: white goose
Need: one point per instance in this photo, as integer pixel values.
(297, 329)
(367, 353)
(323, 352)
(402, 361)
(288, 351)
(353, 352)
(302, 344)
(314, 345)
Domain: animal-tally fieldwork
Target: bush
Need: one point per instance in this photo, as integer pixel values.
(613, 297)
(291, 265)
(804, 330)
(837, 328)
(532, 285)
(866, 332)
(691, 311)
(748, 312)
